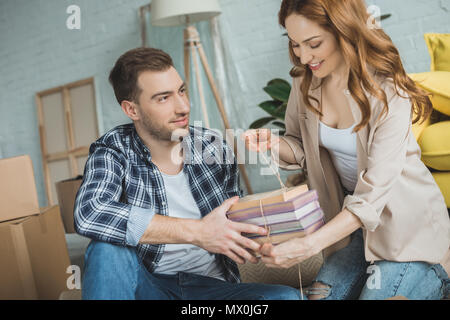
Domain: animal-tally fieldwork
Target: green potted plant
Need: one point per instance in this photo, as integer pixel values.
(278, 90)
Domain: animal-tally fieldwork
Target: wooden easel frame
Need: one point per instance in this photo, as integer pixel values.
(72, 152)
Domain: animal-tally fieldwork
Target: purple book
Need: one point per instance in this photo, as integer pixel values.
(300, 214)
(286, 235)
(275, 208)
(296, 225)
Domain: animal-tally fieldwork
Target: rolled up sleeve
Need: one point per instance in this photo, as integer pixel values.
(137, 224)
(385, 163)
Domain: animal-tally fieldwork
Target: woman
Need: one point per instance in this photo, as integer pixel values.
(348, 123)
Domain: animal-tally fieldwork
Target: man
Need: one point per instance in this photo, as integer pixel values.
(153, 207)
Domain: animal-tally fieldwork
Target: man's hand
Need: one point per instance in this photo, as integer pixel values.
(218, 234)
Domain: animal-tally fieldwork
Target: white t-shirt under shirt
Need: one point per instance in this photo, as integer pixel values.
(341, 144)
(185, 257)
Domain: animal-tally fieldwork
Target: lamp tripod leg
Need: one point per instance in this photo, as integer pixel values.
(200, 85)
(220, 105)
(187, 61)
(193, 45)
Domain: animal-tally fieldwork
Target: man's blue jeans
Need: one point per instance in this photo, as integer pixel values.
(115, 272)
(348, 276)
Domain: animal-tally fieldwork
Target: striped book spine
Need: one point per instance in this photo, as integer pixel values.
(285, 236)
(276, 208)
(298, 214)
(291, 226)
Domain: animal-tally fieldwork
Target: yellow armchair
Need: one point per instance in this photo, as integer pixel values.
(438, 84)
(435, 145)
(443, 181)
(419, 127)
(434, 138)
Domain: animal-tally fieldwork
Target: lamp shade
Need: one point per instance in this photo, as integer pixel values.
(167, 13)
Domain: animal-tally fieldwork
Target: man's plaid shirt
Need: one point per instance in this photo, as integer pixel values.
(119, 175)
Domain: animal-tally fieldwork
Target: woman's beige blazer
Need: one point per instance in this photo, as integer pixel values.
(402, 210)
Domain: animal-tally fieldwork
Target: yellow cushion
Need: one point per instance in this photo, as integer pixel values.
(439, 48)
(419, 127)
(437, 83)
(443, 181)
(435, 145)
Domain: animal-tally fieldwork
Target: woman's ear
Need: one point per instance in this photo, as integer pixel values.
(130, 109)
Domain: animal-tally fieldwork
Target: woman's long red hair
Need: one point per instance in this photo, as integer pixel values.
(363, 48)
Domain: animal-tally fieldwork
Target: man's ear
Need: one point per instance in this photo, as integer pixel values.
(130, 109)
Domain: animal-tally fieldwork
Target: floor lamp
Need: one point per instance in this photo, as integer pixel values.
(166, 13)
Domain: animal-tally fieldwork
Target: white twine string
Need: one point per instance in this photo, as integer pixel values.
(283, 186)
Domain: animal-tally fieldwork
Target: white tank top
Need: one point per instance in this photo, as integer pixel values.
(341, 144)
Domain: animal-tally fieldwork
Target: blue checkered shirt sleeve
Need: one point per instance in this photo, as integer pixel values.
(99, 214)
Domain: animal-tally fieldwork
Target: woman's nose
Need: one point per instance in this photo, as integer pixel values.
(306, 59)
(305, 56)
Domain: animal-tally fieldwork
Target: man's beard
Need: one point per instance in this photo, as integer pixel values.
(160, 132)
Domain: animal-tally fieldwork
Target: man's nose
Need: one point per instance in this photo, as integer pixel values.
(182, 104)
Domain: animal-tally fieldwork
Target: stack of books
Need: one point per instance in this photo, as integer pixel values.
(287, 213)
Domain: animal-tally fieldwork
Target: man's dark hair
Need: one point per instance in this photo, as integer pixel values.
(124, 75)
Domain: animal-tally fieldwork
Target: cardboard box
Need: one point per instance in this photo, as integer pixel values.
(18, 195)
(34, 257)
(16, 274)
(67, 191)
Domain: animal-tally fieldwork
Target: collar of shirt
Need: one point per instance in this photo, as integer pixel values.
(192, 145)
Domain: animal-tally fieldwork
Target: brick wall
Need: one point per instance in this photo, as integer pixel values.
(38, 52)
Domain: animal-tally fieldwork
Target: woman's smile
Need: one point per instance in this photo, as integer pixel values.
(315, 66)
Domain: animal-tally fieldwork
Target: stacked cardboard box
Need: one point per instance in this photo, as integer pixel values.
(33, 250)
(67, 192)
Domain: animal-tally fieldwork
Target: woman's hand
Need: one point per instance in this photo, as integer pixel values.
(289, 253)
(260, 140)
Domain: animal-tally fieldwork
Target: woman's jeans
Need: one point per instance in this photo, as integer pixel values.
(349, 276)
(115, 272)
